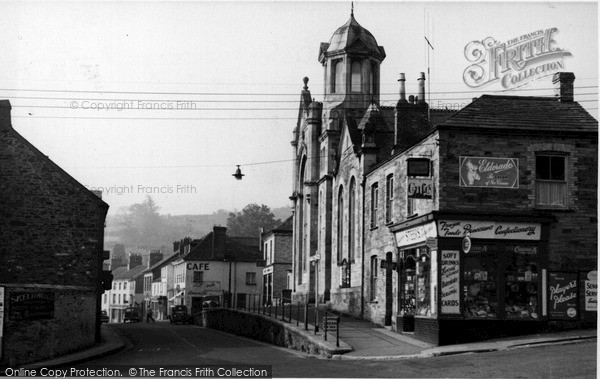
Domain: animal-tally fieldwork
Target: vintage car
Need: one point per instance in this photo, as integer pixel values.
(104, 316)
(132, 314)
(179, 314)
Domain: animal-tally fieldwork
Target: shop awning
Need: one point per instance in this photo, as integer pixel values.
(179, 294)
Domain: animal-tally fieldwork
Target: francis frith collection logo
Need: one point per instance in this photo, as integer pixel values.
(516, 62)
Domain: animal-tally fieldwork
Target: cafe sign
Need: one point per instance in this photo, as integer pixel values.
(489, 172)
(420, 188)
(489, 230)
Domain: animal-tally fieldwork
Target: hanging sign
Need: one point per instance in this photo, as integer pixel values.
(466, 244)
(591, 292)
(489, 172)
(563, 303)
(450, 285)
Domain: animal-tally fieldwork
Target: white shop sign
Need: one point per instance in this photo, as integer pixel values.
(591, 292)
(489, 229)
(450, 289)
(416, 234)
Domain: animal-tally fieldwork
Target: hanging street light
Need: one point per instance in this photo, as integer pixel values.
(238, 173)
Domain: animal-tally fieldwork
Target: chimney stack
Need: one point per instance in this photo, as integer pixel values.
(134, 260)
(563, 86)
(5, 114)
(155, 257)
(402, 81)
(421, 94)
(219, 235)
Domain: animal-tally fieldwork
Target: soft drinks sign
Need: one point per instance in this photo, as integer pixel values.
(489, 172)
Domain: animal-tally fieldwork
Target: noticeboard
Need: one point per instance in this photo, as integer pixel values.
(330, 323)
(563, 290)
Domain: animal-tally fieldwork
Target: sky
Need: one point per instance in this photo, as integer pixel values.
(166, 98)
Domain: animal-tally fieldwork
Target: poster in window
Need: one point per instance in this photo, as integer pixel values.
(563, 303)
(450, 293)
(591, 292)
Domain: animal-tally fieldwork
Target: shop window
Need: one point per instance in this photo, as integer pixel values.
(374, 271)
(250, 278)
(356, 77)
(522, 284)
(480, 278)
(198, 276)
(389, 198)
(374, 204)
(407, 288)
(423, 291)
(551, 181)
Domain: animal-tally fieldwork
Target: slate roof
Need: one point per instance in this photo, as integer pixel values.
(523, 113)
(124, 273)
(353, 36)
(233, 251)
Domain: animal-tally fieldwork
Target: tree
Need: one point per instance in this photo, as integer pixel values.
(248, 222)
(142, 225)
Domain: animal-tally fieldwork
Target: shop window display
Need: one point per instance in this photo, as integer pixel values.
(407, 299)
(480, 277)
(423, 266)
(521, 285)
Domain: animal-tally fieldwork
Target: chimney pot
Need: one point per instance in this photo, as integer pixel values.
(402, 81)
(421, 95)
(411, 99)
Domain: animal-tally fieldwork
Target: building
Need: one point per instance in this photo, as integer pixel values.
(51, 256)
(277, 255)
(123, 292)
(449, 225)
(218, 269)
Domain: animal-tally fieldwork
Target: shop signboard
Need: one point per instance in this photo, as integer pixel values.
(563, 303)
(415, 235)
(591, 292)
(31, 305)
(489, 230)
(420, 188)
(450, 273)
(489, 172)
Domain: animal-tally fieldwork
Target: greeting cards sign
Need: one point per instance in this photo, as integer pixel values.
(489, 172)
(563, 303)
(450, 285)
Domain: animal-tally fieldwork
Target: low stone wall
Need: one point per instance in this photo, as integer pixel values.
(267, 329)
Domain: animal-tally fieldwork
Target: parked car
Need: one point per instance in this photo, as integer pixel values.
(179, 314)
(104, 316)
(132, 314)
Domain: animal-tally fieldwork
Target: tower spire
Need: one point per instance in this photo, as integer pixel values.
(352, 8)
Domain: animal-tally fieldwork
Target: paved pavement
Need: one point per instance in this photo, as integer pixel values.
(369, 342)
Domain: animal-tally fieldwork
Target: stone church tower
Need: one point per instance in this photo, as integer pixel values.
(330, 144)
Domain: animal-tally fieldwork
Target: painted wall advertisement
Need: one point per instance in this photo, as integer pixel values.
(31, 305)
(489, 172)
(563, 303)
(450, 273)
(591, 292)
(420, 188)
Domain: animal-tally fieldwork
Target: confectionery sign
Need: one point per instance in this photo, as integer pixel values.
(489, 229)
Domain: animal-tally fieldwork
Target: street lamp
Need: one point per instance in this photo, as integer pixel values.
(315, 261)
(238, 173)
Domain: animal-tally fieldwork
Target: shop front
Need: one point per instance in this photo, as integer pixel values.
(469, 279)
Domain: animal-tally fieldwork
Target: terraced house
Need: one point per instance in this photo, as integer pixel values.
(449, 225)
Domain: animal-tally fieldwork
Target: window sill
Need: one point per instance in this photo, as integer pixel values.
(373, 227)
(553, 209)
(373, 302)
(250, 284)
(388, 223)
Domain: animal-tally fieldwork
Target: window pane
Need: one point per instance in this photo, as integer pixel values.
(423, 279)
(557, 168)
(339, 78)
(479, 281)
(542, 167)
(522, 282)
(356, 82)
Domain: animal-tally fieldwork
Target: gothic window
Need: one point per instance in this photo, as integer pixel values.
(356, 77)
(337, 85)
(352, 220)
(340, 224)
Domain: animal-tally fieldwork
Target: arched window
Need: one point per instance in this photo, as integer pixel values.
(338, 77)
(352, 220)
(356, 77)
(340, 224)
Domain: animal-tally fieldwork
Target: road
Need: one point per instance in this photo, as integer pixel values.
(165, 344)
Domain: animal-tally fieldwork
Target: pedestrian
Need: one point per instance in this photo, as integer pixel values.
(149, 316)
